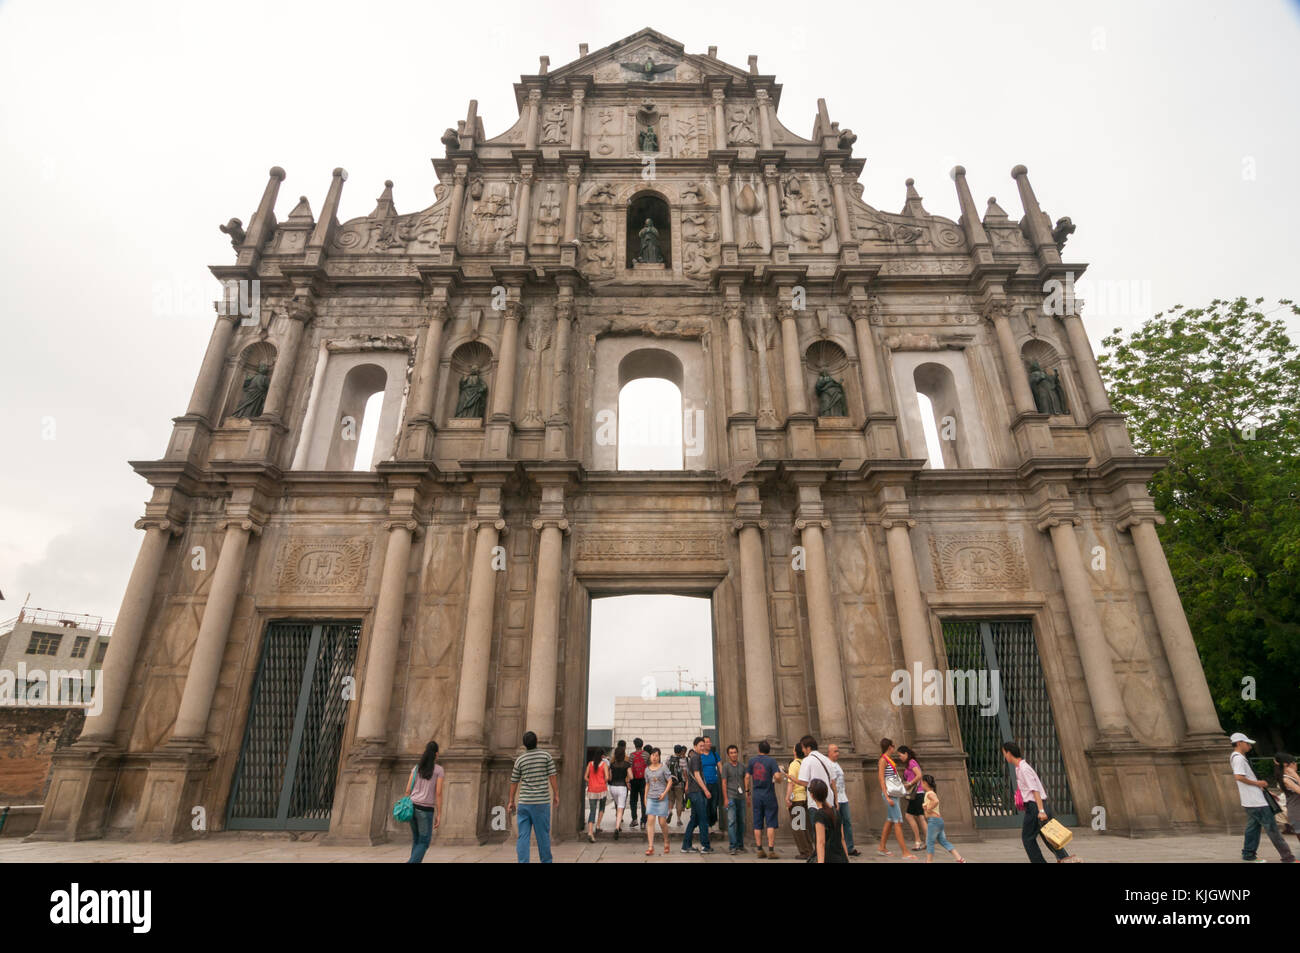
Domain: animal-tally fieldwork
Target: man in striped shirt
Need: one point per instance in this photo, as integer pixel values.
(533, 785)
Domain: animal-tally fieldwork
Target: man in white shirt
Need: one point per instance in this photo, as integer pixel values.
(842, 796)
(1259, 815)
(816, 765)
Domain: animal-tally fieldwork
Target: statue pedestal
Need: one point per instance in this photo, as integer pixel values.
(648, 266)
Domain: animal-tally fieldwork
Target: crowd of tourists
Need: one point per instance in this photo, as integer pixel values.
(708, 794)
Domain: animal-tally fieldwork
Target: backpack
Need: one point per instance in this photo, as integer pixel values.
(638, 766)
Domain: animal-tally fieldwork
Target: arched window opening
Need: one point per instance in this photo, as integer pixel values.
(933, 449)
(362, 396)
(650, 431)
(648, 239)
(942, 417)
(368, 432)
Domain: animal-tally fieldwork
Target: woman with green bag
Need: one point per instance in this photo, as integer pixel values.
(425, 792)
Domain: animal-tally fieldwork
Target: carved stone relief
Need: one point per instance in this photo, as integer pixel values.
(978, 561)
(323, 564)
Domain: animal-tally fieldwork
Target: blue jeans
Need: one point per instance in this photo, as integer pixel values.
(934, 834)
(534, 819)
(846, 822)
(736, 824)
(700, 819)
(1261, 818)
(421, 832)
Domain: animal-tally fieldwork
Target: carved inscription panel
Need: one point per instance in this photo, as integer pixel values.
(978, 561)
(323, 563)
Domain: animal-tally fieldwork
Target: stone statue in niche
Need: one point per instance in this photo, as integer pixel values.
(648, 140)
(651, 253)
(805, 219)
(831, 401)
(472, 402)
(548, 218)
(1049, 394)
(253, 396)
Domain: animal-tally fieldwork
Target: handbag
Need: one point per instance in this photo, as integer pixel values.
(894, 786)
(1274, 808)
(403, 810)
(1056, 834)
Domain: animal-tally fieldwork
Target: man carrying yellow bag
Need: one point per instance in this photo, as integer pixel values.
(1030, 792)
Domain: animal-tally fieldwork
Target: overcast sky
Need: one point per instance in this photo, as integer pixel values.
(1167, 131)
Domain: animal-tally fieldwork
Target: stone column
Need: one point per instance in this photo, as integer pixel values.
(913, 624)
(504, 384)
(419, 418)
(203, 400)
(471, 700)
(575, 137)
(1094, 651)
(735, 311)
(844, 224)
(774, 228)
(796, 399)
(451, 234)
(724, 197)
(872, 388)
(560, 387)
(381, 660)
(1081, 350)
(827, 673)
(1180, 647)
(119, 663)
(525, 202)
(764, 117)
(214, 630)
(298, 313)
(531, 122)
(719, 119)
(998, 314)
(760, 693)
(543, 657)
(572, 176)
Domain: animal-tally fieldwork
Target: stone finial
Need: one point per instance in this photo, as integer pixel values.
(385, 207)
(913, 206)
(582, 49)
(544, 64)
(302, 211)
(713, 52)
(976, 237)
(753, 65)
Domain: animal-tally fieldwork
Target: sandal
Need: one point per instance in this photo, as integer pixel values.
(909, 857)
(666, 849)
(650, 852)
(884, 853)
(1069, 860)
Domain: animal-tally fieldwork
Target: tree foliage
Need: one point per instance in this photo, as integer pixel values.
(1217, 391)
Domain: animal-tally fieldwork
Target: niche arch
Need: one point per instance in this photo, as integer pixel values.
(654, 206)
(259, 352)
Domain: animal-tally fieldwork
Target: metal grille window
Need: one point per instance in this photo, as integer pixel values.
(1023, 715)
(44, 643)
(80, 645)
(289, 761)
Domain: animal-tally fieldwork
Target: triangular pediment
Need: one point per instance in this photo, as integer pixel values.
(646, 56)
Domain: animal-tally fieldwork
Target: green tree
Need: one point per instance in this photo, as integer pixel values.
(1217, 391)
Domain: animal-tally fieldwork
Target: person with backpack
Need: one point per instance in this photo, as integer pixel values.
(425, 791)
(596, 778)
(636, 783)
(677, 793)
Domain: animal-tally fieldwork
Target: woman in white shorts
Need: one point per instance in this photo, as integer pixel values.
(620, 769)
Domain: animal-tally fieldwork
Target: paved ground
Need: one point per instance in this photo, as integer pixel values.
(630, 848)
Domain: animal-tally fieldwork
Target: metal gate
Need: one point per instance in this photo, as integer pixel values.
(1024, 715)
(289, 761)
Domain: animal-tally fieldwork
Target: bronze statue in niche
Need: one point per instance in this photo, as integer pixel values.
(831, 401)
(1049, 394)
(472, 402)
(253, 396)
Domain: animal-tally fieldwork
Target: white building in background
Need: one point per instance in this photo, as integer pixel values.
(662, 722)
(50, 658)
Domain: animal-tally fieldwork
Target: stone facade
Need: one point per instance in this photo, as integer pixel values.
(468, 553)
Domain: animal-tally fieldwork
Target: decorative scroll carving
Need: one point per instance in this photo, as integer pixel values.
(323, 563)
(978, 561)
